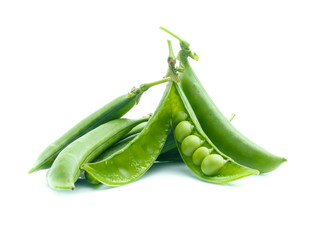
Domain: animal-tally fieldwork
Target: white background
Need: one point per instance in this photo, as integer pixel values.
(62, 60)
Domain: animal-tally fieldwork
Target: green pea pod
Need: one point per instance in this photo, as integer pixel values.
(113, 110)
(66, 168)
(131, 162)
(168, 152)
(188, 142)
(169, 145)
(136, 129)
(225, 136)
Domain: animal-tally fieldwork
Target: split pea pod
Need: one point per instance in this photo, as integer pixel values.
(66, 168)
(131, 162)
(197, 150)
(225, 136)
(168, 153)
(169, 145)
(113, 110)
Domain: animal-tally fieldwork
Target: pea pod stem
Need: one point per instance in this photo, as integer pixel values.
(183, 42)
(144, 87)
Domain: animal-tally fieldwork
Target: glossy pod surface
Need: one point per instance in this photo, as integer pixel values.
(113, 110)
(169, 145)
(130, 163)
(196, 149)
(66, 168)
(168, 153)
(225, 136)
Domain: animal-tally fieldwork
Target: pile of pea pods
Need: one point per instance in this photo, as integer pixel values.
(186, 126)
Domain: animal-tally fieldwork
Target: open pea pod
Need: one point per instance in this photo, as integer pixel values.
(132, 161)
(196, 149)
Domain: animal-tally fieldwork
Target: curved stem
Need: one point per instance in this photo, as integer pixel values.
(172, 34)
(144, 87)
(183, 43)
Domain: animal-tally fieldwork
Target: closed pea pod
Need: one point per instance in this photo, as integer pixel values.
(66, 168)
(130, 163)
(225, 136)
(113, 110)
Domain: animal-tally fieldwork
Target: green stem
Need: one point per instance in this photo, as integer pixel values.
(171, 55)
(171, 33)
(185, 51)
(144, 87)
(183, 43)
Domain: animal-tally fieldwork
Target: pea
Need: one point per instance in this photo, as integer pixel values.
(212, 164)
(190, 144)
(183, 130)
(179, 117)
(199, 155)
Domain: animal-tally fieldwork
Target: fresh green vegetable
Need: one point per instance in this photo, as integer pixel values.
(223, 173)
(66, 168)
(169, 147)
(224, 135)
(211, 171)
(113, 110)
(131, 162)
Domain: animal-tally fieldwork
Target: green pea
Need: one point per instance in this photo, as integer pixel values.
(199, 155)
(212, 164)
(183, 130)
(190, 144)
(179, 117)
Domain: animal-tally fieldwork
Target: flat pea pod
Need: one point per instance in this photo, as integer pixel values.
(130, 163)
(228, 171)
(225, 136)
(66, 168)
(113, 110)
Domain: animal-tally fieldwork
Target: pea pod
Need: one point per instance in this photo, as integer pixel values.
(225, 136)
(66, 168)
(136, 129)
(113, 110)
(168, 153)
(169, 145)
(131, 162)
(194, 146)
